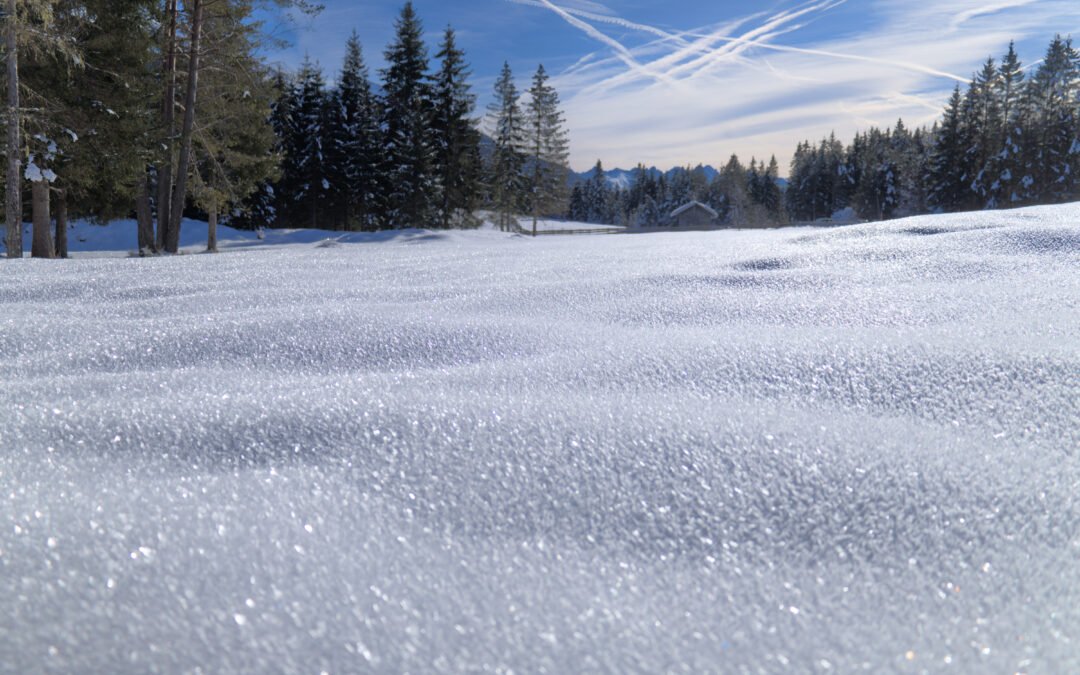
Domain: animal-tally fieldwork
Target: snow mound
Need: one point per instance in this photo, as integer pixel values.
(846, 449)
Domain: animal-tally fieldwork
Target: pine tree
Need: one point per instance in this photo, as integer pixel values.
(307, 176)
(32, 31)
(1006, 167)
(548, 147)
(13, 193)
(413, 186)
(796, 201)
(878, 193)
(234, 149)
(678, 191)
(733, 183)
(987, 138)
(1055, 123)
(1010, 87)
(599, 200)
(576, 210)
(355, 144)
(505, 179)
(648, 214)
(457, 141)
(770, 196)
(268, 206)
(948, 187)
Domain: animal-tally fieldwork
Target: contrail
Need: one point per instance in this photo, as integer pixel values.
(702, 45)
(614, 20)
(669, 68)
(964, 17)
(624, 54)
(773, 24)
(905, 65)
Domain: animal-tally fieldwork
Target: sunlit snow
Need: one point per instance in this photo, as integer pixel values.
(843, 450)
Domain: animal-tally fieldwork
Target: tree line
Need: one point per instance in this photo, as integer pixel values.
(83, 139)
(1007, 140)
(745, 196)
(410, 153)
(273, 149)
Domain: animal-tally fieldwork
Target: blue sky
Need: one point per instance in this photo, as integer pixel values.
(686, 82)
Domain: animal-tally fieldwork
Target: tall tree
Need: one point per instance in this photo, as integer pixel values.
(733, 183)
(413, 184)
(1005, 168)
(548, 147)
(355, 143)
(948, 187)
(167, 159)
(233, 145)
(457, 141)
(987, 134)
(507, 158)
(187, 129)
(174, 184)
(309, 184)
(1055, 122)
(13, 192)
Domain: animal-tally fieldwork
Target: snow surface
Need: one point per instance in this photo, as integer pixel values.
(845, 450)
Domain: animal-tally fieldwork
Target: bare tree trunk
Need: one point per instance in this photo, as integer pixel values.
(211, 231)
(168, 117)
(42, 245)
(61, 224)
(179, 197)
(143, 217)
(13, 196)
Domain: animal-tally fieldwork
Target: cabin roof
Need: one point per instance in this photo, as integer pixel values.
(686, 207)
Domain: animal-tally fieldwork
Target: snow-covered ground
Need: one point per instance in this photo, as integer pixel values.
(842, 450)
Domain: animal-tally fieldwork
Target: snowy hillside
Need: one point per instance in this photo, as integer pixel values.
(842, 450)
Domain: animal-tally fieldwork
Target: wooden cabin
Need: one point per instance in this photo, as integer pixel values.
(694, 215)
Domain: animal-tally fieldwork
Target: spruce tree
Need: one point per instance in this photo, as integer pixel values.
(1006, 167)
(796, 199)
(577, 210)
(505, 178)
(413, 186)
(457, 141)
(355, 144)
(234, 149)
(307, 177)
(948, 187)
(770, 196)
(733, 182)
(548, 147)
(599, 200)
(1055, 123)
(987, 136)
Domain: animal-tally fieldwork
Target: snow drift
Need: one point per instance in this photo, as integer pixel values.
(848, 449)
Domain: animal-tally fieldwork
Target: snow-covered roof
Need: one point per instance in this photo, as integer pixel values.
(686, 207)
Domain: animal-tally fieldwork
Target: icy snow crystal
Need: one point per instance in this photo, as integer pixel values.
(458, 452)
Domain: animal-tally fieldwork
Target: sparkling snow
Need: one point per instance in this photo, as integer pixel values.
(849, 449)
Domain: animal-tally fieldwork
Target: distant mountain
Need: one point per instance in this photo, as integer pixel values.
(624, 178)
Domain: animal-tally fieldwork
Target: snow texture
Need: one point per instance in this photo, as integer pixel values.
(845, 450)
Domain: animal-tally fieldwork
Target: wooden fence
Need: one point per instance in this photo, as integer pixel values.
(594, 230)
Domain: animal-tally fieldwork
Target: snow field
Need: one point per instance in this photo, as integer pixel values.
(833, 450)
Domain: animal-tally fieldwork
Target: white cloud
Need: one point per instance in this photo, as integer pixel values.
(755, 86)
